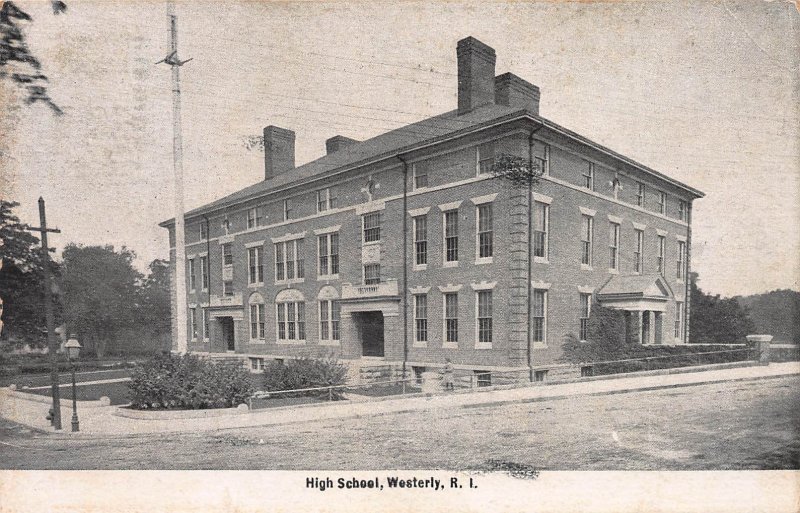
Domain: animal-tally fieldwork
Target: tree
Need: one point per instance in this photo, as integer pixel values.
(716, 320)
(155, 299)
(21, 280)
(100, 293)
(17, 63)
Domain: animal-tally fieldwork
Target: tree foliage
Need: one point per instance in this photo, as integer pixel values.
(516, 170)
(100, 293)
(17, 63)
(716, 320)
(21, 280)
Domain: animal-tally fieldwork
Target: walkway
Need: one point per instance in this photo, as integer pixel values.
(100, 420)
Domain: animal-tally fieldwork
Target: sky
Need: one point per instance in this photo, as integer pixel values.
(707, 93)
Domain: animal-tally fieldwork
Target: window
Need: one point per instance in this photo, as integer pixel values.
(540, 375)
(255, 217)
(539, 316)
(451, 317)
(328, 246)
(586, 302)
(660, 257)
(483, 378)
(193, 322)
(226, 225)
(206, 326)
(544, 161)
(227, 254)
(421, 317)
(678, 319)
(255, 263)
(324, 200)
(256, 364)
(421, 240)
(291, 320)
(372, 274)
(372, 227)
(420, 170)
(329, 315)
(681, 260)
(587, 371)
(485, 233)
(638, 256)
(227, 288)
(681, 210)
(613, 246)
(451, 236)
(486, 154)
(586, 239)
(640, 194)
(541, 226)
(289, 263)
(257, 321)
(485, 317)
(204, 272)
(287, 209)
(203, 231)
(192, 277)
(588, 176)
(662, 202)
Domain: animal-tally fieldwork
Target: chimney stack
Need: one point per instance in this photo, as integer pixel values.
(512, 91)
(476, 63)
(278, 151)
(337, 142)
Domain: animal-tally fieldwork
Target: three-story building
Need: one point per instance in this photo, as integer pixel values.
(404, 249)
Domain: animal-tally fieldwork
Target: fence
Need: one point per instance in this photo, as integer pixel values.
(492, 378)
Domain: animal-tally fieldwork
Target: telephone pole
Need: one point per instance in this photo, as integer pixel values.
(52, 342)
(179, 341)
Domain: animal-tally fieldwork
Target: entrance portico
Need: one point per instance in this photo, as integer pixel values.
(370, 322)
(643, 298)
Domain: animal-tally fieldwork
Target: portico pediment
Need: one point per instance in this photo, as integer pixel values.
(636, 292)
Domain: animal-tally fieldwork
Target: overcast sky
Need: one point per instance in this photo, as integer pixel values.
(707, 93)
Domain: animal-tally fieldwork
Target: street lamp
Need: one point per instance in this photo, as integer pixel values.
(73, 348)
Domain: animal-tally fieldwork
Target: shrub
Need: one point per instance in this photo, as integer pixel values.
(306, 373)
(187, 382)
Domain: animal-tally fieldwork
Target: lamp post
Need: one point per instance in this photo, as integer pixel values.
(73, 348)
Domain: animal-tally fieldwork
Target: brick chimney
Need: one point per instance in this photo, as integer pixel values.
(476, 63)
(512, 91)
(278, 151)
(337, 142)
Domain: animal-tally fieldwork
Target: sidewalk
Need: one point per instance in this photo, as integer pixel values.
(101, 420)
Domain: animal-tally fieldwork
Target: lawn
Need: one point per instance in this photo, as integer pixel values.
(117, 392)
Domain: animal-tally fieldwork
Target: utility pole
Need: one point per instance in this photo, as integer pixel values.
(179, 342)
(52, 342)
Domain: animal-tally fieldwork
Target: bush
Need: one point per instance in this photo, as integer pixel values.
(306, 373)
(187, 382)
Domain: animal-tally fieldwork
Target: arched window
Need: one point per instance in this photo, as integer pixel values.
(291, 315)
(328, 315)
(257, 317)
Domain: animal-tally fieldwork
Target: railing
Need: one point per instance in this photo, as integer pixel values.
(332, 392)
(388, 288)
(519, 376)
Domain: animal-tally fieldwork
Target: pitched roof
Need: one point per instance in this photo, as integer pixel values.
(636, 285)
(426, 131)
(377, 147)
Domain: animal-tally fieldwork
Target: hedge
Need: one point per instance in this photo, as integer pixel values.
(188, 382)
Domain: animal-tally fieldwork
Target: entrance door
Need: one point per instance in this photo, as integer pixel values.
(228, 338)
(657, 326)
(371, 330)
(645, 327)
